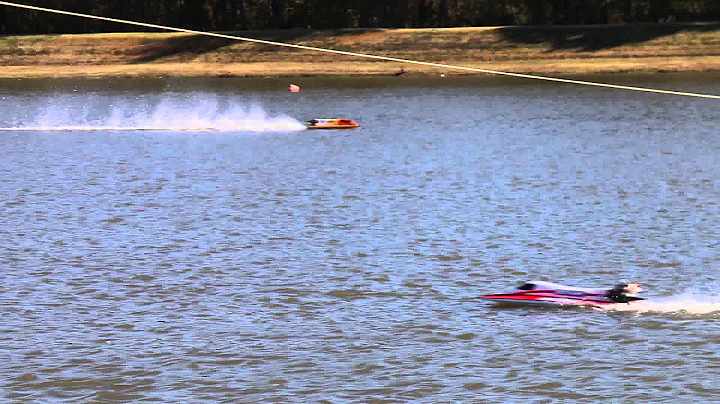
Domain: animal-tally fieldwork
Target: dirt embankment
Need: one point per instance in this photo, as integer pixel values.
(545, 50)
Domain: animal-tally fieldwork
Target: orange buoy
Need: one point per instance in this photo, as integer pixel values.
(293, 88)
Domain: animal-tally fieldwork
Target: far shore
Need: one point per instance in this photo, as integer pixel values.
(533, 50)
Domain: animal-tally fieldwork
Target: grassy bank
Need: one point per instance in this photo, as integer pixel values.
(545, 50)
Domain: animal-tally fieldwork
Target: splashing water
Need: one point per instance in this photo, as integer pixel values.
(690, 303)
(200, 112)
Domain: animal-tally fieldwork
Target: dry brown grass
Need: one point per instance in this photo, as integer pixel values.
(592, 49)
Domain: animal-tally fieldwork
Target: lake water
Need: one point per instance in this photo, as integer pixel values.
(256, 262)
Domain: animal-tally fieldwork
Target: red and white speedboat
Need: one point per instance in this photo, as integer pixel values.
(332, 123)
(548, 293)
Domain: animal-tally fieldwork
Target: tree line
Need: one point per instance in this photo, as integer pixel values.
(233, 15)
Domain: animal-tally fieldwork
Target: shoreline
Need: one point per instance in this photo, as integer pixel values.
(553, 50)
(349, 69)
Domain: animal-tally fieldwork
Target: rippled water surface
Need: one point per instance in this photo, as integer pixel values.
(261, 263)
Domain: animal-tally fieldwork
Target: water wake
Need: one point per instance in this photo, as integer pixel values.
(197, 113)
(686, 303)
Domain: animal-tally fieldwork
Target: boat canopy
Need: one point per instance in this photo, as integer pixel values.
(534, 285)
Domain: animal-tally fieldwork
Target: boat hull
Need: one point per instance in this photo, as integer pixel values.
(555, 294)
(332, 123)
(553, 299)
(545, 301)
(334, 127)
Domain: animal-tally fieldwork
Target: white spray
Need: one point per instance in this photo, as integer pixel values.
(689, 303)
(197, 112)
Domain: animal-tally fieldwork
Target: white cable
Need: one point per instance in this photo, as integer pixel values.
(391, 59)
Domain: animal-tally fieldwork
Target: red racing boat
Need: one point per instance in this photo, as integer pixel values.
(548, 293)
(332, 123)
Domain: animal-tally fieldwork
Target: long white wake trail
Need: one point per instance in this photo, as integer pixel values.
(686, 303)
(195, 113)
(228, 129)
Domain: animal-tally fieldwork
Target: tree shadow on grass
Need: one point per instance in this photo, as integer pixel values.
(200, 44)
(590, 38)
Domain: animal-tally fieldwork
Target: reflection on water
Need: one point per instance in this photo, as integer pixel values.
(308, 266)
